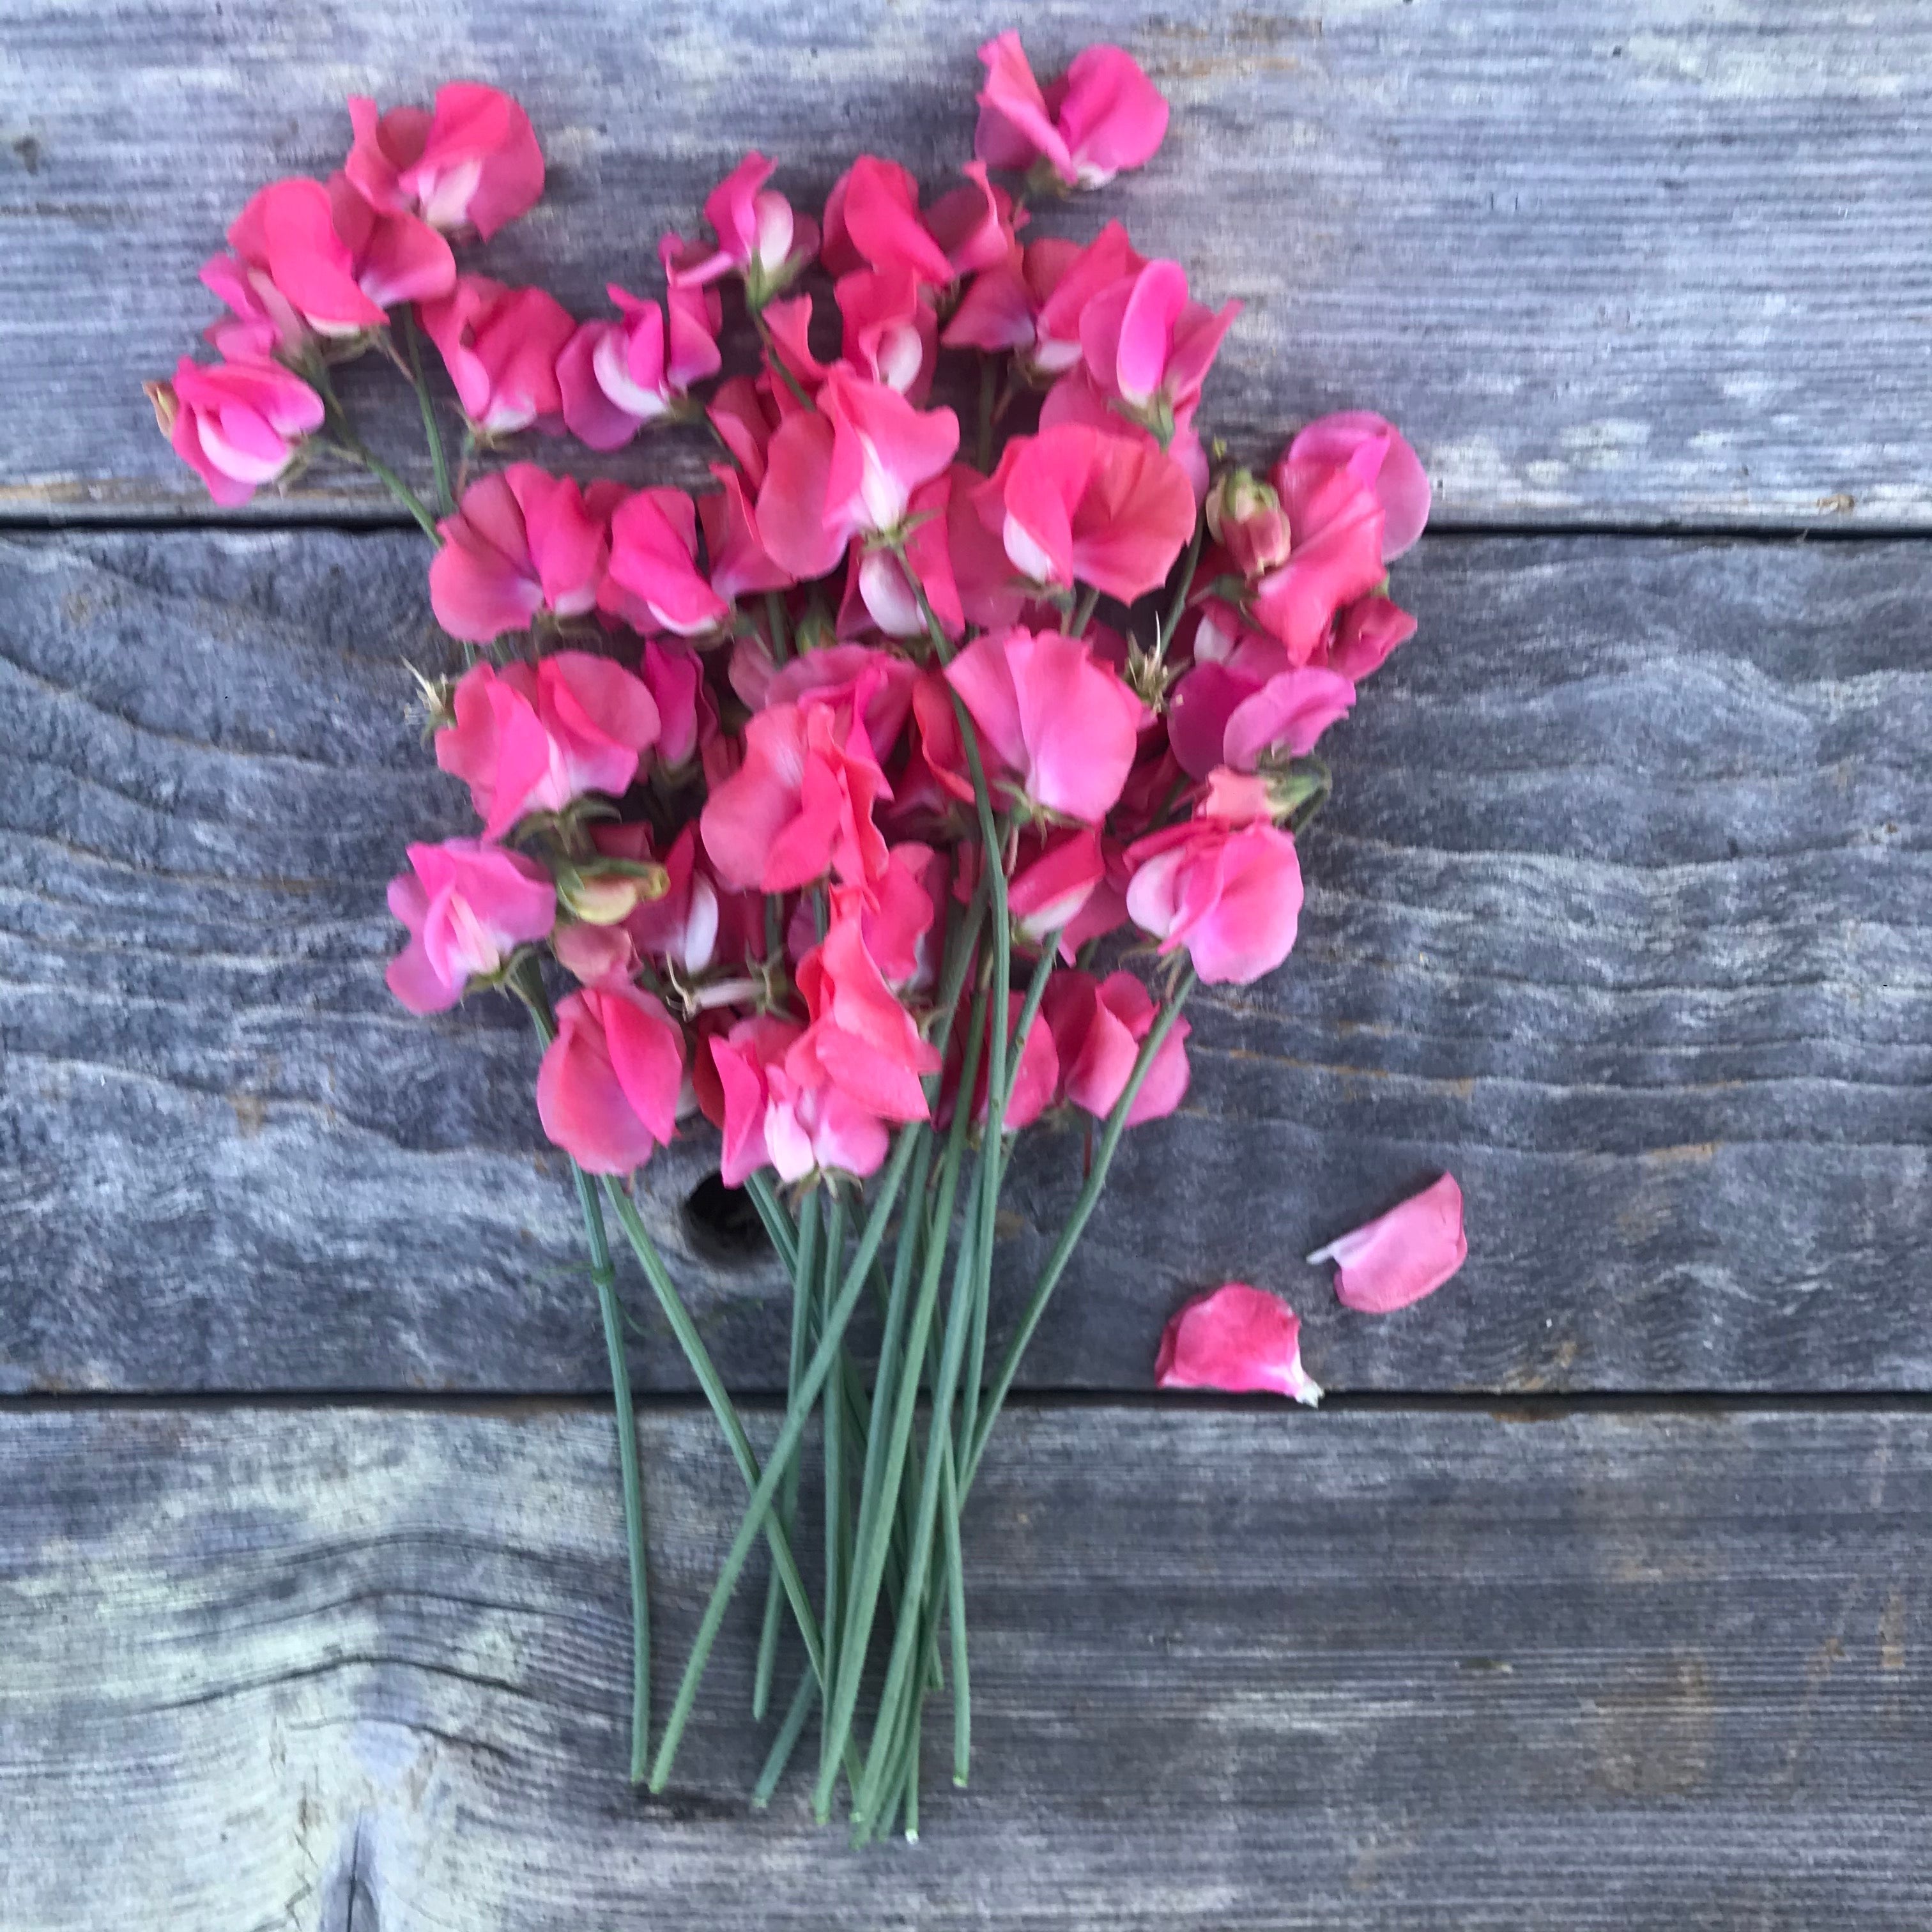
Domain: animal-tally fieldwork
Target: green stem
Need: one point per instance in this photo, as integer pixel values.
(1083, 612)
(348, 444)
(786, 1742)
(778, 1223)
(1076, 1222)
(1175, 611)
(832, 1431)
(758, 1514)
(804, 1276)
(530, 990)
(438, 461)
(774, 623)
(956, 1613)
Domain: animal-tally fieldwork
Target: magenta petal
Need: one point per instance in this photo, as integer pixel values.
(1237, 1339)
(1402, 1256)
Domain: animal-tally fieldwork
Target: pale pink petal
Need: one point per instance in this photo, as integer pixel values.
(1400, 1256)
(1237, 1339)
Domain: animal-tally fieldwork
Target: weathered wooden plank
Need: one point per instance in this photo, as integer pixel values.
(1644, 261)
(1388, 1670)
(1620, 911)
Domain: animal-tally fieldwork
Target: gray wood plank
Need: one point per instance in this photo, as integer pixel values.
(1620, 912)
(1641, 262)
(1369, 1670)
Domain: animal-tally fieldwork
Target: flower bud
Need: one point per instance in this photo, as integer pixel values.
(167, 404)
(1245, 517)
(603, 894)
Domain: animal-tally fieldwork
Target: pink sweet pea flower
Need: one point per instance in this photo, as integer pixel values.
(800, 805)
(500, 346)
(740, 565)
(860, 1038)
(746, 418)
(759, 236)
(1335, 556)
(653, 582)
(975, 222)
(892, 332)
(675, 678)
(607, 1089)
(1231, 894)
(876, 686)
(880, 592)
(896, 912)
(871, 216)
(1062, 727)
(263, 324)
(522, 541)
(1400, 1256)
(1102, 116)
(1146, 343)
(614, 377)
(1033, 1069)
(1099, 1028)
(287, 232)
(394, 258)
(472, 163)
(1033, 301)
(1376, 451)
(772, 1119)
(1366, 633)
(1237, 1339)
(848, 468)
(1053, 882)
(532, 737)
(1235, 714)
(468, 907)
(1076, 505)
(237, 425)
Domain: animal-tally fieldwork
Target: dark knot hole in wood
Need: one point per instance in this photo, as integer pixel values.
(722, 1223)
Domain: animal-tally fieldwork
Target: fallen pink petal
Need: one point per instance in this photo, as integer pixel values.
(1402, 1255)
(1238, 1339)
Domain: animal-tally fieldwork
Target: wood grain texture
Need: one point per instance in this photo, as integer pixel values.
(1620, 912)
(1274, 1671)
(1642, 261)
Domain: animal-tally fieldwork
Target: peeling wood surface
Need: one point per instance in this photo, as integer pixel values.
(1636, 263)
(1621, 911)
(1275, 1670)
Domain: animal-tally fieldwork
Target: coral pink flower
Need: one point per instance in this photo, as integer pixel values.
(892, 332)
(876, 685)
(1146, 342)
(1061, 726)
(1237, 1340)
(532, 737)
(1219, 714)
(975, 223)
(759, 236)
(472, 163)
(871, 216)
(860, 1038)
(1098, 1028)
(607, 1089)
(1053, 882)
(468, 907)
(287, 232)
(653, 581)
(801, 803)
(1231, 894)
(771, 1119)
(1336, 556)
(740, 565)
(1376, 452)
(500, 346)
(614, 377)
(1400, 1256)
(521, 541)
(1366, 633)
(745, 417)
(846, 469)
(1076, 504)
(1102, 116)
(394, 258)
(237, 425)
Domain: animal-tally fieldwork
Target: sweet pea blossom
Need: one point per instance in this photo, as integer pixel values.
(1098, 1026)
(759, 234)
(770, 1118)
(472, 162)
(1237, 1339)
(1074, 504)
(1052, 884)
(521, 541)
(745, 418)
(1374, 450)
(1147, 344)
(1400, 1256)
(1231, 894)
(1102, 116)
(615, 377)
(858, 1038)
(500, 346)
(468, 906)
(286, 234)
(848, 468)
(1033, 1066)
(653, 581)
(607, 1087)
(1061, 726)
(871, 216)
(533, 737)
(1244, 698)
(892, 332)
(237, 425)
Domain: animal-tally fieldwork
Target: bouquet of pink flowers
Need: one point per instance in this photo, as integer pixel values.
(882, 800)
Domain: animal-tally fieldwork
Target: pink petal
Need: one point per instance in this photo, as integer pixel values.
(1237, 1339)
(791, 513)
(1399, 480)
(1400, 1256)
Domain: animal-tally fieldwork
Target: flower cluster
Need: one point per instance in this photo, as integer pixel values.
(877, 801)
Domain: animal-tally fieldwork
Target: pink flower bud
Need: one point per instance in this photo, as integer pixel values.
(1245, 517)
(607, 1090)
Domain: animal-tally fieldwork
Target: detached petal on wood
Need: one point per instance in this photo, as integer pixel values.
(1402, 1256)
(1237, 1340)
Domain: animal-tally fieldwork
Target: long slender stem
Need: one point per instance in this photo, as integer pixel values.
(955, 1611)
(347, 443)
(804, 1281)
(1172, 622)
(1076, 1222)
(439, 462)
(757, 1515)
(530, 989)
(832, 1430)
(786, 1742)
(1083, 612)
